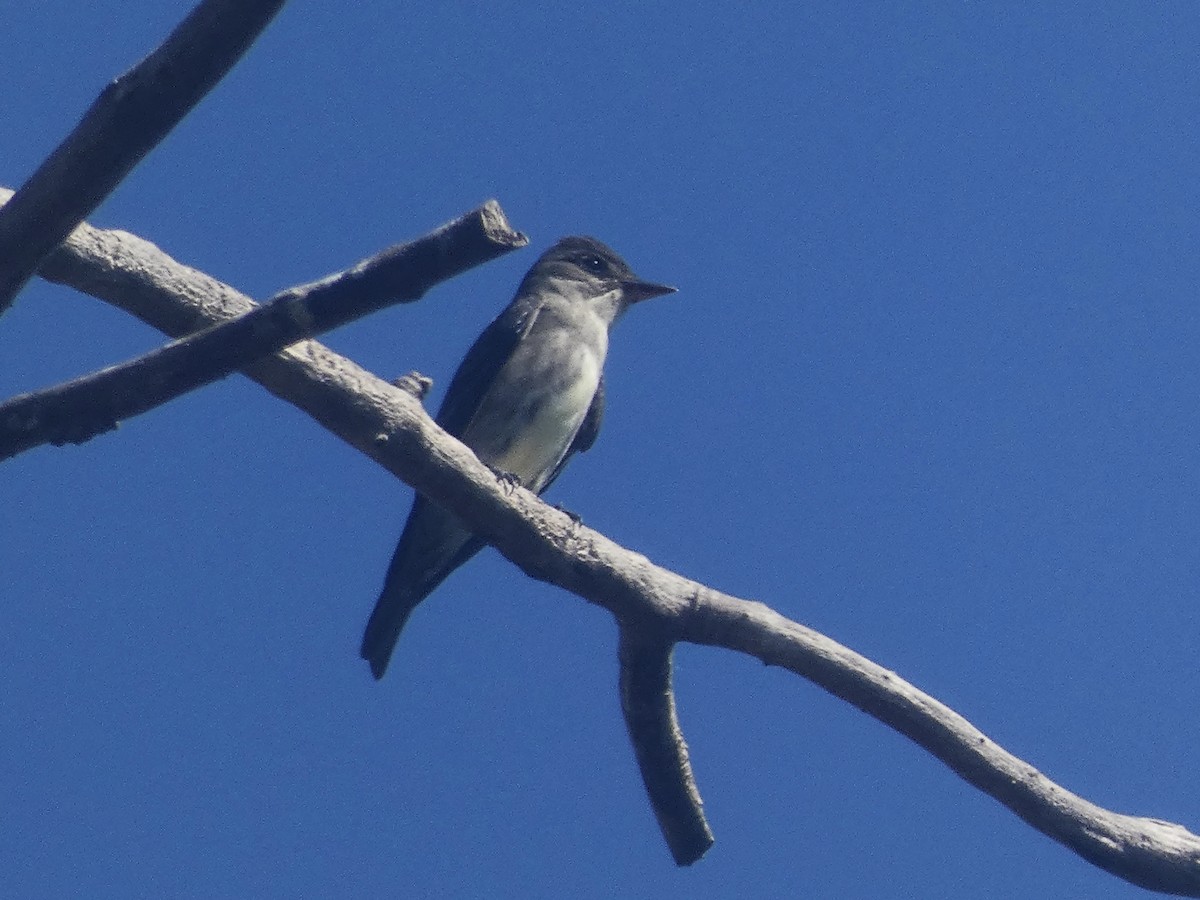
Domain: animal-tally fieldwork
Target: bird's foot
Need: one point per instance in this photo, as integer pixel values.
(508, 479)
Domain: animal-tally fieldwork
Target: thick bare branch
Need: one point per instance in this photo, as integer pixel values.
(93, 404)
(390, 426)
(129, 118)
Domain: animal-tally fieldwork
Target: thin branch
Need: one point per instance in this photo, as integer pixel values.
(648, 703)
(93, 404)
(129, 118)
(389, 426)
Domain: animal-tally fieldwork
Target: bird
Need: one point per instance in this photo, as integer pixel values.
(527, 397)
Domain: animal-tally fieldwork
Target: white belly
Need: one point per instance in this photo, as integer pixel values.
(541, 396)
(552, 426)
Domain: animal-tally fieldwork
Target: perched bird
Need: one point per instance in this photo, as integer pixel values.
(528, 395)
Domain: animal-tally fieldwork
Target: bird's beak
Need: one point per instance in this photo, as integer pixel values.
(636, 289)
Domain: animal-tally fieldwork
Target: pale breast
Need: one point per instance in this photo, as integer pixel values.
(540, 399)
(551, 421)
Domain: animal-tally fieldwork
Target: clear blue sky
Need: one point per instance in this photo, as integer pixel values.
(929, 385)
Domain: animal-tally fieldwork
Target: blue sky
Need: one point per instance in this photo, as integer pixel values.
(929, 386)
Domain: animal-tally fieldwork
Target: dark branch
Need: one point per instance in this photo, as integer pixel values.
(85, 407)
(648, 702)
(129, 118)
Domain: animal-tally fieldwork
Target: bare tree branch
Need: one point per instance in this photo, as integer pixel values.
(1154, 854)
(93, 404)
(129, 118)
(648, 703)
(390, 426)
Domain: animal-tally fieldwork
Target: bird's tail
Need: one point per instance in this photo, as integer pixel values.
(432, 546)
(383, 628)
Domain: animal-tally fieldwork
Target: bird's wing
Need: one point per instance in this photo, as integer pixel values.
(434, 543)
(588, 431)
(479, 368)
(585, 436)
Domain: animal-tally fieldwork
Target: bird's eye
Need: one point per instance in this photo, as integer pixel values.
(594, 264)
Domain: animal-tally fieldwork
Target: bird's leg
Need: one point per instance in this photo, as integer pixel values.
(508, 479)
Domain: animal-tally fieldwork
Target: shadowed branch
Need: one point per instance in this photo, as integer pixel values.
(129, 118)
(648, 703)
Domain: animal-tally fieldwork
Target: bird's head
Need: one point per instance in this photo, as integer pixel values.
(582, 269)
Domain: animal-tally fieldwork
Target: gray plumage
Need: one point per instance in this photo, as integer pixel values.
(528, 395)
